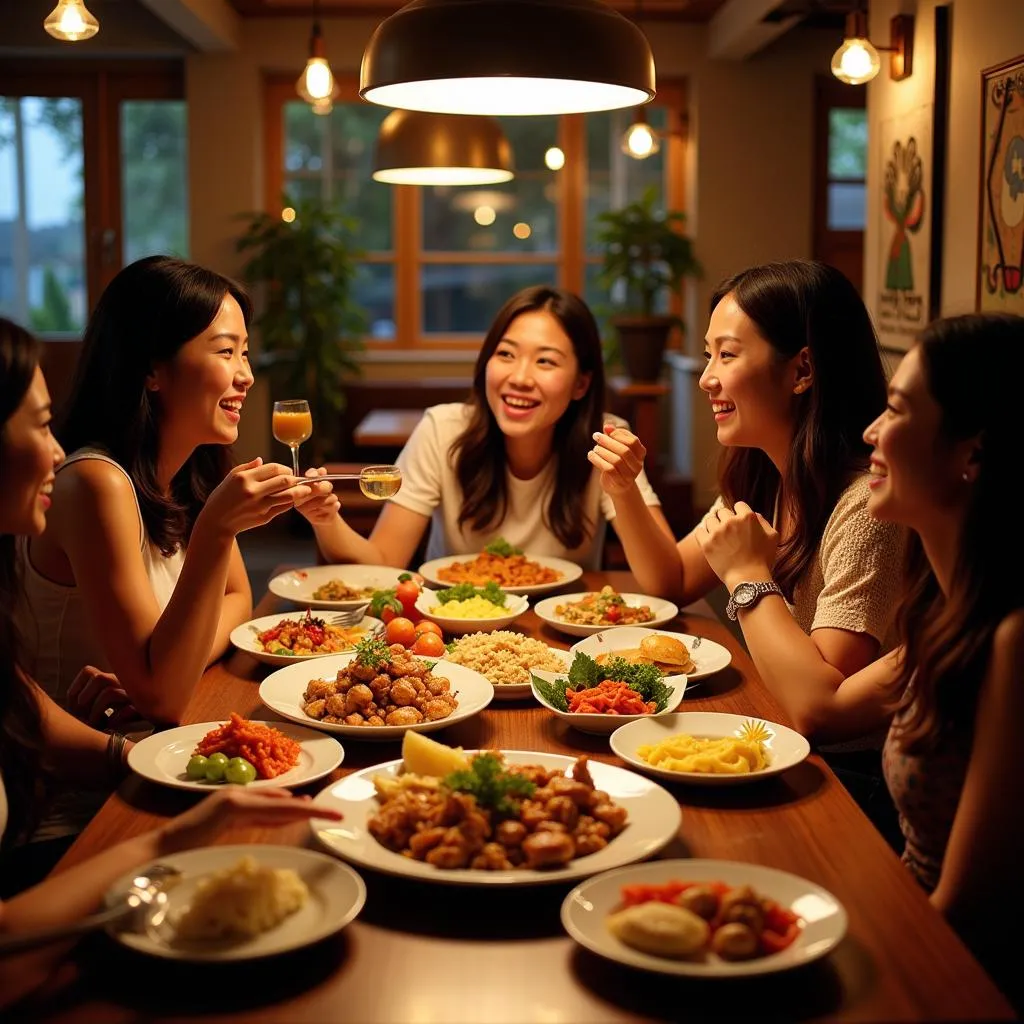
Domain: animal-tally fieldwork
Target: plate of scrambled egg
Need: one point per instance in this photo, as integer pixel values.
(709, 748)
(243, 902)
(474, 614)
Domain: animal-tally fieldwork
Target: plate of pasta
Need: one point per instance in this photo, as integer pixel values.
(706, 748)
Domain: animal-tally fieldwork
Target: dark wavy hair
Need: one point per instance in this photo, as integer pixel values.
(147, 312)
(797, 304)
(21, 748)
(479, 453)
(947, 639)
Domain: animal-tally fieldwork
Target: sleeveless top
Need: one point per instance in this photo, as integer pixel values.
(926, 789)
(54, 621)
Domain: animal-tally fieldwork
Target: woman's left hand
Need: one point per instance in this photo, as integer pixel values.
(98, 699)
(739, 544)
(619, 455)
(322, 506)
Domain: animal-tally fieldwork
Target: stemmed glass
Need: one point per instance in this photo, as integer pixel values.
(377, 482)
(293, 424)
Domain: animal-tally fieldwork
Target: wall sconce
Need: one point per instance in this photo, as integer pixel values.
(857, 60)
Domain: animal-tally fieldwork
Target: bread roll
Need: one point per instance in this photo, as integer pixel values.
(662, 929)
(665, 649)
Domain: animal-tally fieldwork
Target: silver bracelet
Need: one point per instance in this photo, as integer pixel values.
(115, 754)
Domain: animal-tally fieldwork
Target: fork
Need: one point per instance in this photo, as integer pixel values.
(352, 617)
(696, 643)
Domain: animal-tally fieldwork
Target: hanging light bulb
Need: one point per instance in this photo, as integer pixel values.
(856, 61)
(640, 140)
(71, 21)
(316, 83)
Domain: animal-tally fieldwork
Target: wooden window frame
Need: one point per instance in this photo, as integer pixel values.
(408, 256)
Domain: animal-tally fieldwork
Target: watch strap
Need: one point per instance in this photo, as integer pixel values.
(760, 589)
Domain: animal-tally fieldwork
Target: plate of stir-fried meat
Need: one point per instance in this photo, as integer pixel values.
(511, 817)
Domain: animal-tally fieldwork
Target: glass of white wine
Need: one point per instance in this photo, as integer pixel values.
(293, 424)
(377, 482)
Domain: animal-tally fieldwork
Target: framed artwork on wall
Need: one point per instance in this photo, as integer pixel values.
(1001, 189)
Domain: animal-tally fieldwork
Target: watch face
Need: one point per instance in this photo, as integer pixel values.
(744, 593)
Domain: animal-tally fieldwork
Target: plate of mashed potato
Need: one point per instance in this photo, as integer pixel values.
(243, 902)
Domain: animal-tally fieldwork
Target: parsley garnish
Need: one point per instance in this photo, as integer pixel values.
(372, 653)
(491, 784)
(490, 591)
(501, 547)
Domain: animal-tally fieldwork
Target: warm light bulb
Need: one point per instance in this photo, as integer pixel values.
(316, 82)
(856, 61)
(288, 215)
(521, 230)
(484, 216)
(640, 141)
(324, 106)
(554, 158)
(71, 21)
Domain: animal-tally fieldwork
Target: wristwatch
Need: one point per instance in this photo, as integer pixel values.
(746, 595)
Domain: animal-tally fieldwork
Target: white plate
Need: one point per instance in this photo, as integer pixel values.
(603, 725)
(586, 908)
(244, 637)
(162, 757)
(654, 819)
(786, 747)
(282, 692)
(517, 691)
(298, 584)
(336, 895)
(515, 605)
(664, 611)
(570, 571)
(709, 657)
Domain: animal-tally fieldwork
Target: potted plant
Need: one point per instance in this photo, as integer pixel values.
(645, 256)
(310, 324)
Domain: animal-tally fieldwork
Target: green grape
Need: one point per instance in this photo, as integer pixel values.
(239, 771)
(196, 767)
(215, 765)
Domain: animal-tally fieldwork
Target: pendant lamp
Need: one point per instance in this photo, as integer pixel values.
(417, 148)
(507, 57)
(316, 83)
(71, 21)
(640, 140)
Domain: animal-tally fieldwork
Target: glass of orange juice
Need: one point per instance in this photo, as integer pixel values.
(293, 424)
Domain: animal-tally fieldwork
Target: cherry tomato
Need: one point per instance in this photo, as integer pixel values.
(426, 626)
(400, 630)
(387, 614)
(407, 591)
(429, 644)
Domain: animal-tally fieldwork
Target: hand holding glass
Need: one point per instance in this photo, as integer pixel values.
(377, 482)
(293, 424)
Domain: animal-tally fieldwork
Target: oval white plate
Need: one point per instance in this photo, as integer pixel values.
(654, 819)
(570, 571)
(298, 584)
(664, 611)
(244, 637)
(517, 691)
(282, 692)
(336, 895)
(586, 908)
(786, 747)
(603, 725)
(515, 605)
(162, 757)
(709, 657)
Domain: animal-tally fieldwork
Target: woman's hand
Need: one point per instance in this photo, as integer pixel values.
(97, 698)
(251, 495)
(236, 807)
(619, 455)
(322, 506)
(739, 544)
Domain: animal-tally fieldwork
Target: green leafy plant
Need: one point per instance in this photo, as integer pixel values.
(310, 325)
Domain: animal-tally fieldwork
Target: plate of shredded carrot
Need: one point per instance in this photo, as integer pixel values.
(283, 754)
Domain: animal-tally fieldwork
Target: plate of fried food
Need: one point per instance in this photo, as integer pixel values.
(339, 587)
(674, 653)
(376, 692)
(514, 570)
(256, 754)
(283, 639)
(514, 817)
(706, 748)
(596, 610)
(704, 918)
(240, 902)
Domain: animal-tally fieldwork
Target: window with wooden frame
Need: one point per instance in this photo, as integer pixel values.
(840, 176)
(440, 261)
(93, 175)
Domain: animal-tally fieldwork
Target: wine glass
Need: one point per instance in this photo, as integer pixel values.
(293, 424)
(377, 482)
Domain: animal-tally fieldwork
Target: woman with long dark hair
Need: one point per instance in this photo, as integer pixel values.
(40, 742)
(512, 460)
(946, 463)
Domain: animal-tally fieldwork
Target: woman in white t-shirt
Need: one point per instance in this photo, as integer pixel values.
(41, 742)
(515, 459)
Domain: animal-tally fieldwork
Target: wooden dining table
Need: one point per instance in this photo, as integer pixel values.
(427, 952)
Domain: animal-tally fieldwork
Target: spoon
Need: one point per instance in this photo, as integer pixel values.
(146, 896)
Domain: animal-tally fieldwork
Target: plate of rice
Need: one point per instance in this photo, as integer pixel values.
(506, 659)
